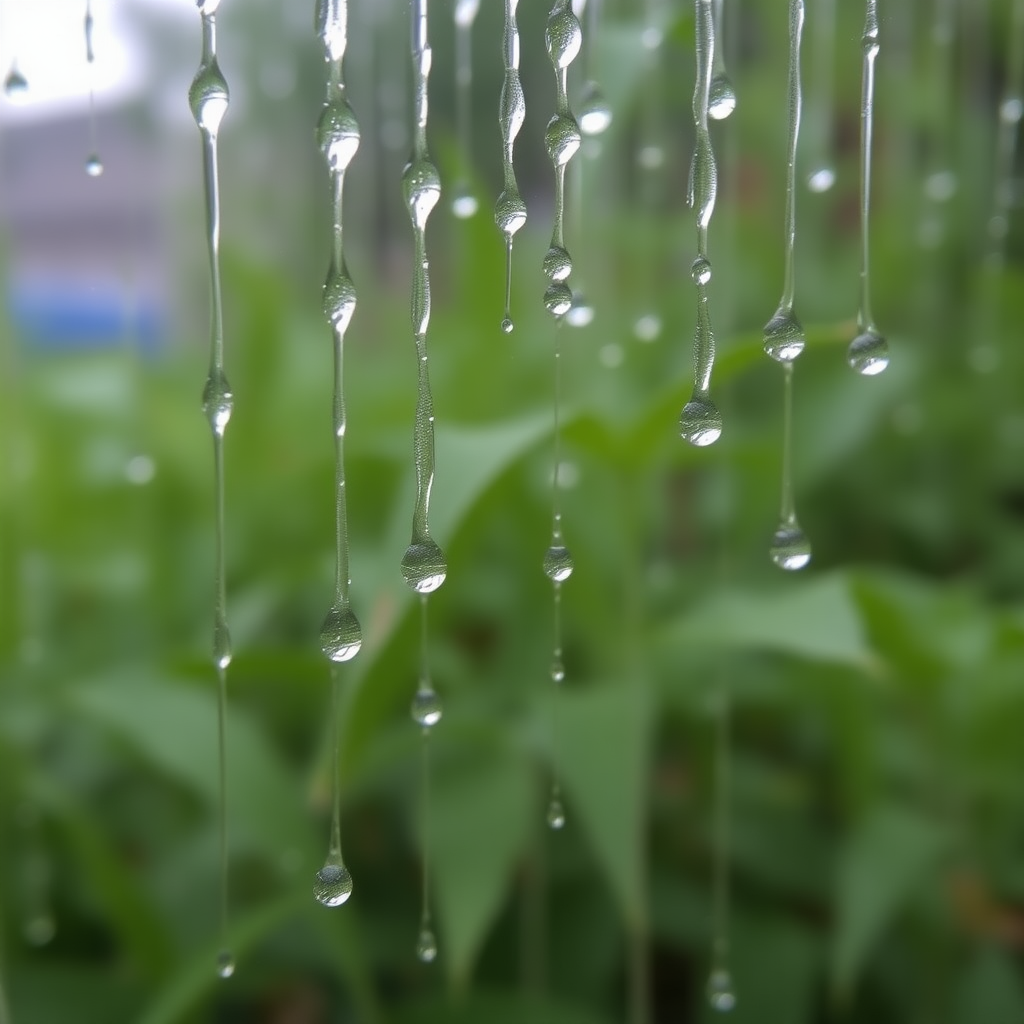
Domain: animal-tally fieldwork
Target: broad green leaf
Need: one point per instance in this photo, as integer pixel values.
(886, 860)
(479, 826)
(813, 618)
(498, 1008)
(604, 737)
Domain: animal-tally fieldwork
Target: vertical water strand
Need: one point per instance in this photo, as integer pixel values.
(595, 115)
(208, 99)
(423, 565)
(822, 175)
(1011, 112)
(15, 82)
(426, 713)
(721, 95)
(464, 203)
(510, 210)
(700, 422)
(337, 134)
(940, 182)
(93, 164)
(868, 353)
(564, 38)
(783, 334)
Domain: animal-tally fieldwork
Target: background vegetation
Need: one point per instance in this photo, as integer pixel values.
(876, 801)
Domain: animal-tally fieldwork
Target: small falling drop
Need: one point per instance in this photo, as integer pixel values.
(721, 98)
(868, 353)
(464, 203)
(790, 549)
(556, 815)
(557, 671)
(700, 422)
(426, 707)
(423, 566)
(333, 884)
(783, 336)
(426, 946)
(558, 564)
(507, 326)
(225, 964)
(16, 85)
(595, 115)
(341, 636)
(721, 994)
(558, 299)
(93, 166)
(822, 175)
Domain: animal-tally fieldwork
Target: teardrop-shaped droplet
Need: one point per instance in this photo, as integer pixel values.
(721, 98)
(790, 548)
(93, 166)
(423, 566)
(333, 884)
(700, 422)
(421, 186)
(337, 134)
(341, 636)
(218, 401)
(507, 326)
(558, 299)
(221, 642)
(225, 964)
(563, 36)
(15, 86)
(464, 203)
(581, 312)
(556, 814)
(700, 271)
(783, 336)
(557, 671)
(721, 994)
(557, 263)
(562, 138)
(868, 353)
(595, 115)
(208, 97)
(558, 564)
(510, 212)
(426, 946)
(339, 300)
(426, 707)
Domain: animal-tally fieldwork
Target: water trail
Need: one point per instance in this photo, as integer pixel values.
(510, 210)
(822, 175)
(208, 99)
(564, 38)
(783, 334)
(940, 182)
(337, 134)
(464, 202)
(1011, 111)
(868, 353)
(700, 422)
(721, 95)
(93, 164)
(595, 115)
(423, 565)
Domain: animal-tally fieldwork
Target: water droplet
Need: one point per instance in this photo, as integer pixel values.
(221, 642)
(790, 549)
(563, 35)
(16, 86)
(562, 138)
(225, 964)
(721, 995)
(339, 300)
(510, 212)
(721, 98)
(868, 353)
(557, 671)
(421, 186)
(464, 203)
(700, 271)
(333, 884)
(581, 312)
(423, 566)
(426, 946)
(558, 564)
(783, 336)
(558, 299)
(337, 134)
(594, 113)
(426, 707)
(93, 166)
(1011, 110)
(821, 180)
(556, 814)
(218, 401)
(557, 263)
(208, 97)
(647, 327)
(341, 635)
(700, 422)
(207, 6)
(507, 326)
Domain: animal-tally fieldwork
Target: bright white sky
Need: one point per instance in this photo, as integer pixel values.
(47, 38)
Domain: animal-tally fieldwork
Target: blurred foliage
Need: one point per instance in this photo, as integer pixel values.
(876, 807)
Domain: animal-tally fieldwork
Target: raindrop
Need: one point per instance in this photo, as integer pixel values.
(333, 884)
(93, 164)
(868, 353)
(341, 635)
(790, 550)
(426, 946)
(426, 707)
(556, 814)
(700, 422)
(16, 85)
(721, 95)
(225, 964)
(595, 114)
(721, 994)
(558, 564)
(822, 175)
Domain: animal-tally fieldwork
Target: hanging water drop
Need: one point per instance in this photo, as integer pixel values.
(868, 353)
(426, 707)
(225, 964)
(558, 564)
(556, 814)
(822, 175)
(790, 548)
(721, 994)
(16, 85)
(333, 884)
(721, 95)
(595, 115)
(426, 946)
(93, 164)
(464, 203)
(700, 422)
(341, 635)
(510, 210)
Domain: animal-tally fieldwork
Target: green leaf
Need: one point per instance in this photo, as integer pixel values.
(498, 1008)
(604, 737)
(885, 862)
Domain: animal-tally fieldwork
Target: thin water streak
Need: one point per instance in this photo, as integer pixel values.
(822, 175)
(464, 202)
(93, 164)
